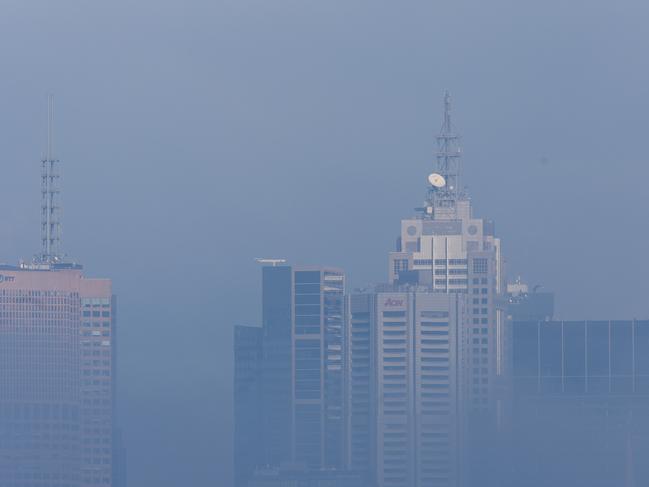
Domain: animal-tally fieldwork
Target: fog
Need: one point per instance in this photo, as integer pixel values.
(195, 136)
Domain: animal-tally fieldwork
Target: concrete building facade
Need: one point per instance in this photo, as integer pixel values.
(403, 400)
(57, 378)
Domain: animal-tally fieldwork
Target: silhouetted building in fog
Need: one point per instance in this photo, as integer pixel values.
(57, 368)
(247, 401)
(403, 396)
(301, 372)
(57, 364)
(580, 402)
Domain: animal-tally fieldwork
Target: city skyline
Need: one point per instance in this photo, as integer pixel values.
(406, 267)
(432, 364)
(200, 135)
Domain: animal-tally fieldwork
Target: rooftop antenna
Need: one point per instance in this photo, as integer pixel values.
(50, 208)
(448, 155)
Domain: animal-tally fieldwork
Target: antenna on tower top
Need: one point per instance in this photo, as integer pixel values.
(50, 208)
(448, 155)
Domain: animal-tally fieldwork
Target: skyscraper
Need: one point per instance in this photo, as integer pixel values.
(57, 365)
(300, 371)
(448, 249)
(403, 397)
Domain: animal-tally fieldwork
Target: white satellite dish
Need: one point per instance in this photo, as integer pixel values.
(437, 180)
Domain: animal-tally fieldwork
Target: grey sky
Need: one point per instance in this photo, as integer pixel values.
(195, 136)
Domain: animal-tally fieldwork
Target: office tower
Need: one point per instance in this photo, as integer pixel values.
(301, 372)
(448, 249)
(56, 377)
(403, 398)
(277, 362)
(302, 365)
(57, 365)
(247, 399)
(581, 402)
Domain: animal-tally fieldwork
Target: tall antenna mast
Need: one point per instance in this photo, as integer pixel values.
(50, 209)
(448, 158)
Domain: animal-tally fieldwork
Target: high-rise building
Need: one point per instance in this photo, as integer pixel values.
(450, 250)
(580, 402)
(57, 366)
(300, 373)
(404, 360)
(446, 248)
(247, 400)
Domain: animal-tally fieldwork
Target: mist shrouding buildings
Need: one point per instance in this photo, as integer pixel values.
(400, 382)
(57, 366)
(580, 402)
(443, 376)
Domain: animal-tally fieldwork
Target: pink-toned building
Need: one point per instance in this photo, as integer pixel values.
(57, 369)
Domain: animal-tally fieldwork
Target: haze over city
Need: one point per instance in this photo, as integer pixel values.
(196, 136)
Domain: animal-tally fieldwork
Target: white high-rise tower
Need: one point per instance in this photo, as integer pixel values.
(427, 351)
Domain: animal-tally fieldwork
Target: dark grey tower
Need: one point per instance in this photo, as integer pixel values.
(294, 364)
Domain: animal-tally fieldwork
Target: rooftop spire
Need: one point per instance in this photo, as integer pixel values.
(50, 209)
(448, 154)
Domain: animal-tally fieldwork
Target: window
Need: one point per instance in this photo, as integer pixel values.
(480, 266)
(394, 314)
(401, 265)
(434, 314)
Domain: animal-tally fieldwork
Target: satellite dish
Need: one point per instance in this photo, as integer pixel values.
(437, 180)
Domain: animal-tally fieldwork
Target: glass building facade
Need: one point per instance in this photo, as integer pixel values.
(300, 374)
(580, 398)
(581, 357)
